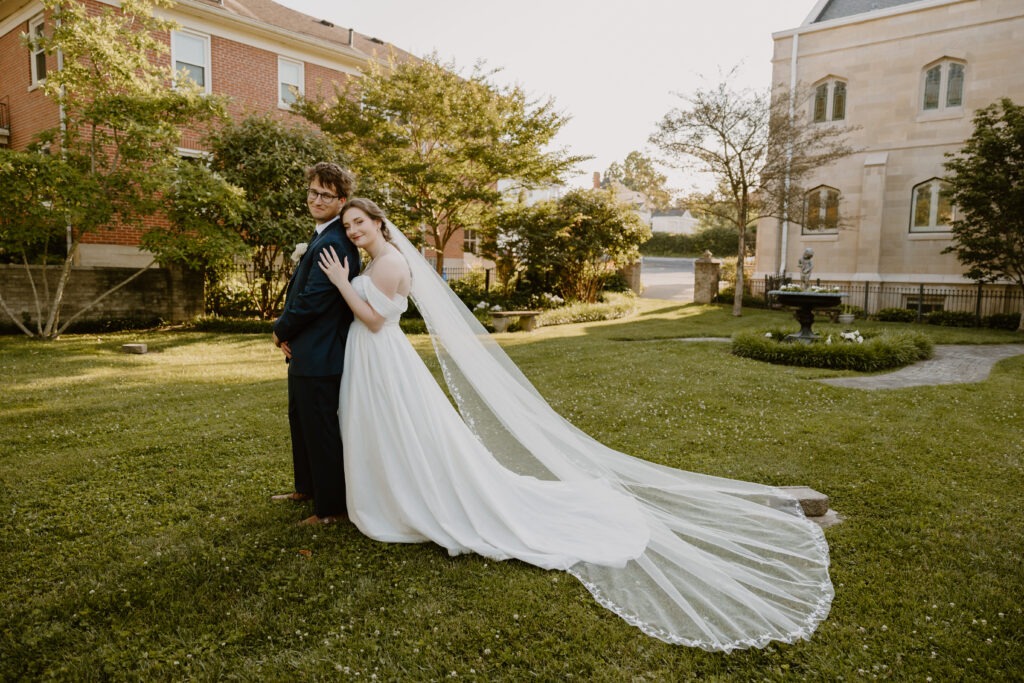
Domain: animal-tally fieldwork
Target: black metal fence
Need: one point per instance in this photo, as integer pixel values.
(980, 300)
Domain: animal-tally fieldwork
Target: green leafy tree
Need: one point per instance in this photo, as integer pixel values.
(431, 144)
(575, 244)
(268, 159)
(757, 149)
(114, 152)
(639, 173)
(987, 179)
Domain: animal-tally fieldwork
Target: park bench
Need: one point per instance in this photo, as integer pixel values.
(502, 319)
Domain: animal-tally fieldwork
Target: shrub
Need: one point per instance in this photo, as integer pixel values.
(878, 351)
(1002, 321)
(725, 296)
(951, 318)
(896, 315)
(615, 305)
(214, 323)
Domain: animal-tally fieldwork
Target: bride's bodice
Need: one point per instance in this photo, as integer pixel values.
(391, 309)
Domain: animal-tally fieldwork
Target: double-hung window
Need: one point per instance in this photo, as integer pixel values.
(290, 81)
(190, 54)
(36, 27)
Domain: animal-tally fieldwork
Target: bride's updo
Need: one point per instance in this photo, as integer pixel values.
(370, 209)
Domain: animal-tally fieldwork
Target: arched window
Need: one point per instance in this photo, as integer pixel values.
(829, 101)
(943, 85)
(931, 209)
(821, 210)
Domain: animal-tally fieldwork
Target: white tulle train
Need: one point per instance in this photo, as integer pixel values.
(687, 558)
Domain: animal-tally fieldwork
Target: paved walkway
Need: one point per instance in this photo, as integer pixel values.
(951, 364)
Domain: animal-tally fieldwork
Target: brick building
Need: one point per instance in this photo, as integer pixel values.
(254, 52)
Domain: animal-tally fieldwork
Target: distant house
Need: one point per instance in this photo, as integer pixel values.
(674, 222)
(257, 53)
(910, 75)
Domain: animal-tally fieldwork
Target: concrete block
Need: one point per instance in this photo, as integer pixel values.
(813, 503)
(134, 348)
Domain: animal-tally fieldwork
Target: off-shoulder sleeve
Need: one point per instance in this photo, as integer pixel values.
(390, 309)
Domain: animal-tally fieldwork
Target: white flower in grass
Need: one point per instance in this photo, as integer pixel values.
(300, 249)
(482, 305)
(854, 336)
(495, 307)
(768, 334)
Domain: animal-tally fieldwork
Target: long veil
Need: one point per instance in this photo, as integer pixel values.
(730, 564)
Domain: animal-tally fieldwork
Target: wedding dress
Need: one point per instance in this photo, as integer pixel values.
(687, 558)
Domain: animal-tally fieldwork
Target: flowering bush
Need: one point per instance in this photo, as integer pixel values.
(851, 351)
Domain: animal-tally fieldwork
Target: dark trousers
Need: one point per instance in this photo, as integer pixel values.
(317, 455)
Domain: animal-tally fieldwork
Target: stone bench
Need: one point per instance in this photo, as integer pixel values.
(502, 319)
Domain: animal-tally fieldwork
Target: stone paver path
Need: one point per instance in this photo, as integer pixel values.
(951, 364)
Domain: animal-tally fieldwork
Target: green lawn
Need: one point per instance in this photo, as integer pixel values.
(138, 541)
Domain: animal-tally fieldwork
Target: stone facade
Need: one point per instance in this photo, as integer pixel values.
(884, 61)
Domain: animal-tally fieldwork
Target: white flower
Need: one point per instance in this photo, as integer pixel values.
(829, 340)
(495, 307)
(482, 305)
(300, 249)
(854, 336)
(768, 334)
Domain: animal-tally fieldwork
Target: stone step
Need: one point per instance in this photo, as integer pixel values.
(814, 504)
(134, 348)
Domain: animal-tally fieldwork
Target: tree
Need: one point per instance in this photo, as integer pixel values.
(575, 243)
(757, 149)
(987, 187)
(431, 144)
(638, 173)
(114, 151)
(268, 159)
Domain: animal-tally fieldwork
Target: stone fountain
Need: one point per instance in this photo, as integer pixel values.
(806, 300)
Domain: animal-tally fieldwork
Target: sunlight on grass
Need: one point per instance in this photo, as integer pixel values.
(139, 542)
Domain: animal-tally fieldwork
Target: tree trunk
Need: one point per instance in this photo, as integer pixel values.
(737, 299)
(103, 296)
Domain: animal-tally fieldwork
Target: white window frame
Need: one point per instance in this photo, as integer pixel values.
(823, 204)
(36, 25)
(207, 67)
(944, 66)
(281, 82)
(829, 84)
(471, 241)
(934, 187)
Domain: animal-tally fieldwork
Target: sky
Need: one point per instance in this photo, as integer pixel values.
(616, 72)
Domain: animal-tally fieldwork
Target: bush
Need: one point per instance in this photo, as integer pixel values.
(215, 323)
(614, 306)
(951, 318)
(896, 315)
(1002, 321)
(879, 351)
(725, 296)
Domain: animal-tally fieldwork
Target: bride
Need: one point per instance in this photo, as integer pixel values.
(687, 558)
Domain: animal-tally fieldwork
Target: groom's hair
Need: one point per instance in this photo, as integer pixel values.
(333, 176)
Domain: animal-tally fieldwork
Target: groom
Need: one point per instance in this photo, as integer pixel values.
(311, 332)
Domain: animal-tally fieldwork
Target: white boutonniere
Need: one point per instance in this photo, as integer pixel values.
(300, 249)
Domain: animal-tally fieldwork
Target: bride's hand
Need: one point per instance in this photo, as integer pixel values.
(336, 269)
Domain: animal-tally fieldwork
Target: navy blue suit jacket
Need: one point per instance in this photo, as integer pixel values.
(316, 318)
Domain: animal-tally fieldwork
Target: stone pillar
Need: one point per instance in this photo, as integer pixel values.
(705, 278)
(631, 274)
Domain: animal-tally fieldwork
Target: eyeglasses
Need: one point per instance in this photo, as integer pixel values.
(313, 195)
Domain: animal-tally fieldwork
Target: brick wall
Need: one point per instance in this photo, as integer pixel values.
(171, 294)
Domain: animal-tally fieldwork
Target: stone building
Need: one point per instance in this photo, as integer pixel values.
(909, 75)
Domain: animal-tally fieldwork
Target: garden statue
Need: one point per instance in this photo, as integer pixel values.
(805, 267)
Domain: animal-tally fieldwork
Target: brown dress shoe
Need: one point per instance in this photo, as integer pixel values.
(297, 497)
(331, 519)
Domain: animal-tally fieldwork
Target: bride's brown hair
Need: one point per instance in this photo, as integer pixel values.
(370, 209)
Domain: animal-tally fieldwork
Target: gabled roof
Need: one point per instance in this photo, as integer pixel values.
(269, 12)
(836, 9)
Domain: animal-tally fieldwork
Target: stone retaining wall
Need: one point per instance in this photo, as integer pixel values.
(171, 294)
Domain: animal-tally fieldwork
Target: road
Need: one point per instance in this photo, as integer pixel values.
(667, 278)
